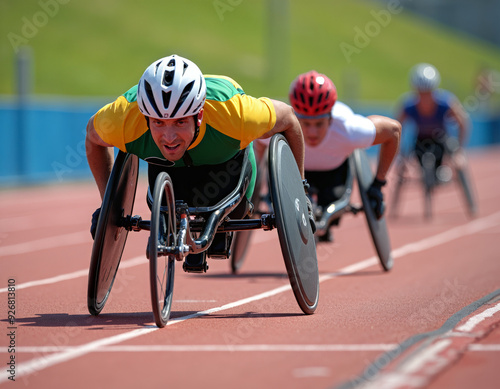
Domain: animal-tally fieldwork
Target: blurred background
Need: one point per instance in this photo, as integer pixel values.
(61, 60)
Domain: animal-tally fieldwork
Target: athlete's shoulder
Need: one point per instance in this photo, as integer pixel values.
(122, 106)
(444, 97)
(222, 88)
(408, 99)
(341, 110)
(121, 121)
(131, 94)
(347, 122)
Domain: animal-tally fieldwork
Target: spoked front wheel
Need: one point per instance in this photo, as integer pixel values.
(163, 234)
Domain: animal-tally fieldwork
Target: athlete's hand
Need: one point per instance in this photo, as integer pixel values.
(95, 218)
(311, 215)
(309, 207)
(376, 197)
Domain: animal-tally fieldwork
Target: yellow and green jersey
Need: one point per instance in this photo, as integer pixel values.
(231, 121)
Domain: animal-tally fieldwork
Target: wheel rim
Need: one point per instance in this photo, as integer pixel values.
(162, 267)
(467, 192)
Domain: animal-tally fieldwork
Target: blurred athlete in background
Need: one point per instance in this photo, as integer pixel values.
(432, 110)
(332, 131)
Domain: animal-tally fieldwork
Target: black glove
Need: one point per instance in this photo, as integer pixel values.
(376, 197)
(95, 219)
(309, 207)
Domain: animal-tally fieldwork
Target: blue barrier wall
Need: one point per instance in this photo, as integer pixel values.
(44, 141)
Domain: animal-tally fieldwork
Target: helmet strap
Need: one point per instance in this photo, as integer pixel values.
(197, 123)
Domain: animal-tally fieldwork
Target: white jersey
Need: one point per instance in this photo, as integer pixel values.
(348, 131)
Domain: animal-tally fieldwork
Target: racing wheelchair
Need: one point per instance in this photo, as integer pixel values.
(358, 170)
(176, 230)
(453, 168)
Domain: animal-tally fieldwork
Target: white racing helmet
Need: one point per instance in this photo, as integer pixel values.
(172, 87)
(424, 77)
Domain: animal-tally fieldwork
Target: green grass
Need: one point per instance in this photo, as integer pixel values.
(101, 48)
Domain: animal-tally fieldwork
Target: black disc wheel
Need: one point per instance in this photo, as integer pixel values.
(110, 235)
(162, 236)
(377, 227)
(292, 222)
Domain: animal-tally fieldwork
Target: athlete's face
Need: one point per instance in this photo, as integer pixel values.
(173, 136)
(314, 130)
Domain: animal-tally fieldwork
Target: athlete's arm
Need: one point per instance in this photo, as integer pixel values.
(402, 116)
(458, 113)
(288, 124)
(387, 135)
(99, 156)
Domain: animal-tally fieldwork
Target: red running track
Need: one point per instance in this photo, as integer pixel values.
(426, 323)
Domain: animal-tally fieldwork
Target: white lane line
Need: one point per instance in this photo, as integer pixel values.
(314, 371)
(37, 364)
(484, 347)
(447, 236)
(77, 274)
(46, 243)
(44, 362)
(427, 243)
(475, 320)
(429, 356)
(430, 359)
(424, 244)
(70, 240)
(195, 301)
(32, 222)
(217, 347)
(407, 376)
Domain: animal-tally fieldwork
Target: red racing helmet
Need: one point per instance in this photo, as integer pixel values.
(312, 95)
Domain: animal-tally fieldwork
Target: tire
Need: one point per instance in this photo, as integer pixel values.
(163, 234)
(241, 242)
(467, 191)
(241, 239)
(396, 197)
(111, 237)
(296, 238)
(377, 227)
(427, 202)
(429, 182)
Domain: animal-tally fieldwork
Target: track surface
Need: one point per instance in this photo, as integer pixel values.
(426, 323)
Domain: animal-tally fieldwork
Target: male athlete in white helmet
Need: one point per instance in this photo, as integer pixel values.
(193, 126)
